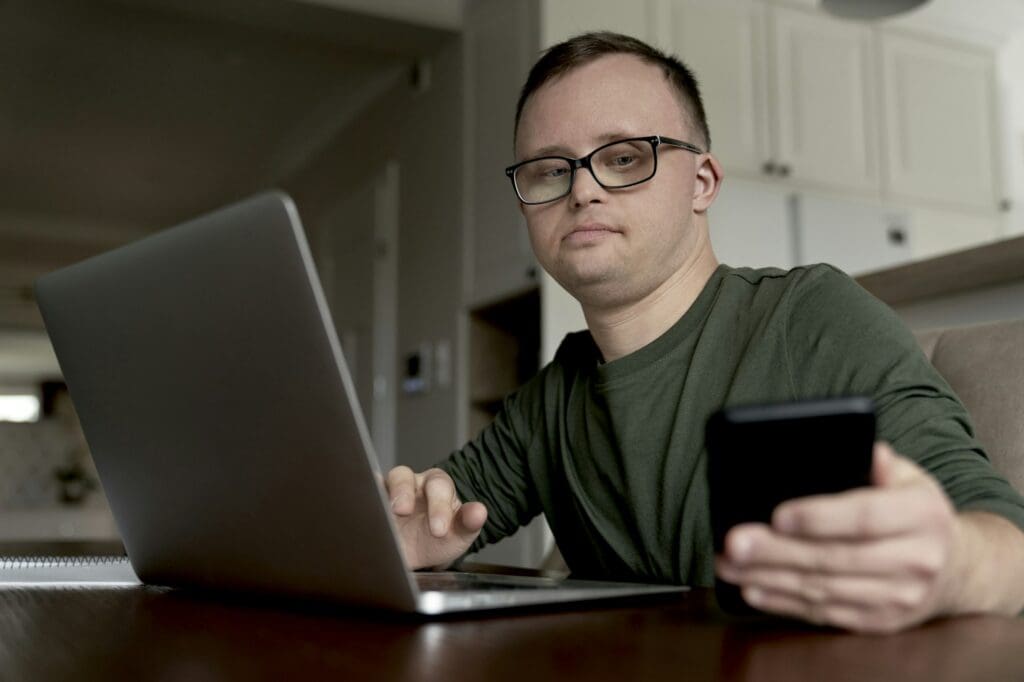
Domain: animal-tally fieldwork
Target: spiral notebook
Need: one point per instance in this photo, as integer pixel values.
(225, 428)
(64, 571)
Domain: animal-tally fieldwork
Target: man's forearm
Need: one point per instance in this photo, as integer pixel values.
(988, 566)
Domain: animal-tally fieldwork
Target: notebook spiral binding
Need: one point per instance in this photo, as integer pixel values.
(8, 562)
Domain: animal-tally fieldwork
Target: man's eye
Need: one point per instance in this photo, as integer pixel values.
(623, 160)
(556, 172)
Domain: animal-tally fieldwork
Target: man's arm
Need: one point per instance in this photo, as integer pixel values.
(878, 559)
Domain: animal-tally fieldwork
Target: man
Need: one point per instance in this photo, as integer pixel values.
(615, 181)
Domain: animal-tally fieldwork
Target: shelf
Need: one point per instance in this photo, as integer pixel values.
(504, 351)
(988, 265)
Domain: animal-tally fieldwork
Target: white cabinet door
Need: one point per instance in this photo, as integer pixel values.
(751, 225)
(940, 122)
(852, 235)
(824, 100)
(562, 19)
(723, 42)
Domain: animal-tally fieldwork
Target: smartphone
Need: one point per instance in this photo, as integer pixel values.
(762, 455)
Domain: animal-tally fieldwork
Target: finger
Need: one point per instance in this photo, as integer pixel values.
(754, 546)
(881, 464)
(441, 501)
(889, 469)
(876, 593)
(862, 513)
(401, 484)
(836, 614)
(469, 520)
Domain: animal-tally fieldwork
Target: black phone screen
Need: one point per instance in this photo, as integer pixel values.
(762, 455)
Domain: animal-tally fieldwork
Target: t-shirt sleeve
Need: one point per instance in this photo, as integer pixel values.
(841, 340)
(493, 469)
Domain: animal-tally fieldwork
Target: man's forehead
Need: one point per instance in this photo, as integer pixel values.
(611, 97)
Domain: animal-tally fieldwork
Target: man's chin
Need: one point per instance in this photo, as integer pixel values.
(590, 287)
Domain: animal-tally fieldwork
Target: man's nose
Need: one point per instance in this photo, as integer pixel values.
(586, 189)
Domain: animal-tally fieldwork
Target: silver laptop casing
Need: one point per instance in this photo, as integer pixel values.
(224, 424)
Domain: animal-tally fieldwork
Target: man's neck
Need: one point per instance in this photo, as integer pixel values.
(618, 331)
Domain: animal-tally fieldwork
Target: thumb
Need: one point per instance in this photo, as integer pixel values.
(888, 469)
(881, 464)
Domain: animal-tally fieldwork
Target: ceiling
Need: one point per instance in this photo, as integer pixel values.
(120, 117)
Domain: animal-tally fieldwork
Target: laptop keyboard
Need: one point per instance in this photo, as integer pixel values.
(455, 582)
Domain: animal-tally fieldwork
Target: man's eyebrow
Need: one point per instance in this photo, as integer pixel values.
(562, 150)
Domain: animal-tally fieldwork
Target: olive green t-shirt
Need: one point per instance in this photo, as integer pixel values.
(613, 453)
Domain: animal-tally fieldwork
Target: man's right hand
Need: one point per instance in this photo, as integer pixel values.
(435, 527)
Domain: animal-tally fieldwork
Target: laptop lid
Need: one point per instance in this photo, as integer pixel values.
(224, 424)
(222, 419)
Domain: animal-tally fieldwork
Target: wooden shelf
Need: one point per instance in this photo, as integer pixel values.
(504, 352)
(988, 265)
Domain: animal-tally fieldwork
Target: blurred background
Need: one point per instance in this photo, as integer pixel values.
(892, 147)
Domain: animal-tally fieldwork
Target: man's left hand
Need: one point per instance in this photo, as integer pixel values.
(875, 559)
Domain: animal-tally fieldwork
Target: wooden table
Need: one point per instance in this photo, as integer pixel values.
(150, 633)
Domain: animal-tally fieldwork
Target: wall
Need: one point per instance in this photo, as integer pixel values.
(419, 128)
(1011, 77)
(430, 254)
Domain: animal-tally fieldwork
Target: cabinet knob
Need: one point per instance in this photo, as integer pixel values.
(784, 170)
(1006, 205)
(768, 168)
(897, 235)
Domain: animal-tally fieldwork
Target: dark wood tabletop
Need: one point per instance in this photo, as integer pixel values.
(150, 633)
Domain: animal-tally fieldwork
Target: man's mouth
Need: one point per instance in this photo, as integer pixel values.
(589, 232)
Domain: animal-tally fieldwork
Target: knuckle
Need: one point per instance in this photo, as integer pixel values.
(929, 560)
(399, 474)
(909, 597)
(398, 484)
(865, 521)
(823, 558)
(439, 486)
(813, 587)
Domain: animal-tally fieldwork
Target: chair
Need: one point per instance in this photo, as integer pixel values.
(984, 364)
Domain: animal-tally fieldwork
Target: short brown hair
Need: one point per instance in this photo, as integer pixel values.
(587, 47)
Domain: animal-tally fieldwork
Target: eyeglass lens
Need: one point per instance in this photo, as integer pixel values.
(616, 165)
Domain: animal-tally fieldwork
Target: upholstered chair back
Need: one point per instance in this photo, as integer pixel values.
(985, 366)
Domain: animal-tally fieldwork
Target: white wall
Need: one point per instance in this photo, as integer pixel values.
(1011, 81)
(420, 132)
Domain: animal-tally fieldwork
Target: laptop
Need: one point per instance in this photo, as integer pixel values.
(223, 421)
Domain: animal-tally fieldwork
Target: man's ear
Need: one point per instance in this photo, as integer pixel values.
(706, 182)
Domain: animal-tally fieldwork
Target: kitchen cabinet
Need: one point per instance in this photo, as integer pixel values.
(788, 93)
(724, 43)
(825, 121)
(855, 236)
(940, 122)
(561, 19)
(751, 225)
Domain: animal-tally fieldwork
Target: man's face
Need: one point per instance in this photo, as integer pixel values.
(611, 247)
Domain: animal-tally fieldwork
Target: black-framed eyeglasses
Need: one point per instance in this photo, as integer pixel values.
(618, 164)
